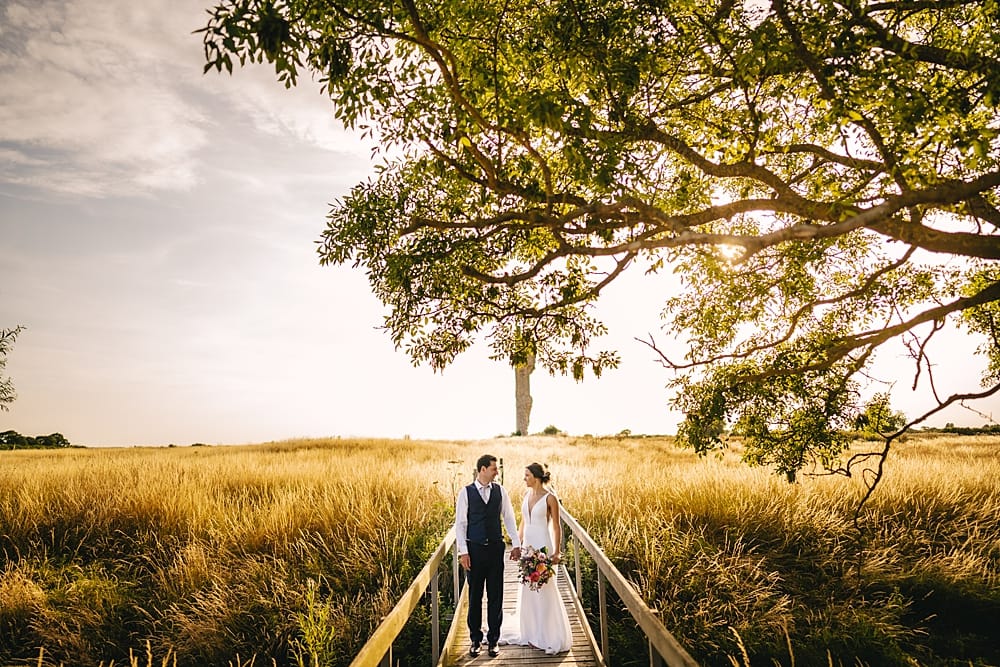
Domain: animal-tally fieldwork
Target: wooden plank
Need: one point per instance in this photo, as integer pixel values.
(580, 655)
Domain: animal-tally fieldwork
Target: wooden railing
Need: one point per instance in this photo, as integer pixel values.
(378, 649)
(663, 647)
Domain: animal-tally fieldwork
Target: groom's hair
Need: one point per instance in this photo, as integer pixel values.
(485, 461)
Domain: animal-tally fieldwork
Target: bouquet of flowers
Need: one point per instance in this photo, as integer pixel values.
(536, 567)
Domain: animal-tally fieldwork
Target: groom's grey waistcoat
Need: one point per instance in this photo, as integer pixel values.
(484, 518)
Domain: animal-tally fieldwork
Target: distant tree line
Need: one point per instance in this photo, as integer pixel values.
(985, 429)
(14, 440)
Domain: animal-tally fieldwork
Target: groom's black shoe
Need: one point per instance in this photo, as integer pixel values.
(493, 651)
(474, 651)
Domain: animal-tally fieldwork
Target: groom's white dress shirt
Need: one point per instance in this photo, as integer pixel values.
(462, 516)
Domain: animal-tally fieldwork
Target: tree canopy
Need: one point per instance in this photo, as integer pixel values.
(820, 175)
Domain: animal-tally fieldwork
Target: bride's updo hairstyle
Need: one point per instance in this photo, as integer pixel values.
(539, 471)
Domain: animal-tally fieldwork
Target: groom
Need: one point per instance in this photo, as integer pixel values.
(480, 549)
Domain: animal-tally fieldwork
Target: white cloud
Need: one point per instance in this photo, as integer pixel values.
(108, 98)
(11, 157)
(91, 103)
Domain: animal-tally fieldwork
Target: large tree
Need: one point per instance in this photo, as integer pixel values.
(821, 176)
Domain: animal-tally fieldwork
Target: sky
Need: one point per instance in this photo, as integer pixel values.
(158, 233)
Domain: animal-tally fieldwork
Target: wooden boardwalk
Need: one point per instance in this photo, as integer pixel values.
(456, 650)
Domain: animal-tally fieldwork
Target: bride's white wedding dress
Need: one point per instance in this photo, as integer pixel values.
(542, 621)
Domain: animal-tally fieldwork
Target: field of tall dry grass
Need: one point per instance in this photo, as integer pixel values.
(289, 553)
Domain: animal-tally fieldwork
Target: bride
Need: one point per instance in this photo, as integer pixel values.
(543, 620)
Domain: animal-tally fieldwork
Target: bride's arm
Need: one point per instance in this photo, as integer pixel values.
(520, 529)
(556, 525)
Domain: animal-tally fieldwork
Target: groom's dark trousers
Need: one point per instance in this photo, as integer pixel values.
(486, 568)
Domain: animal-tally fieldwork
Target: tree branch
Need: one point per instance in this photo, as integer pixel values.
(793, 323)
(830, 156)
(969, 61)
(828, 92)
(916, 5)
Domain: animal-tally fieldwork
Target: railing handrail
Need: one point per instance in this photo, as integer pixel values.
(380, 643)
(657, 634)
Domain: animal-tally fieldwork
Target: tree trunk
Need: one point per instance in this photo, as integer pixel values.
(522, 393)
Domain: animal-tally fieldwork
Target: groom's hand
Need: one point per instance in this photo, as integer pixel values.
(515, 553)
(466, 563)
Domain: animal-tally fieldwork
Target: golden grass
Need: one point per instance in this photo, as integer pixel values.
(288, 553)
(207, 551)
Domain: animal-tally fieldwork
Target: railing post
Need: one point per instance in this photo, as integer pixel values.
(655, 659)
(602, 602)
(378, 649)
(668, 649)
(454, 575)
(576, 565)
(435, 622)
